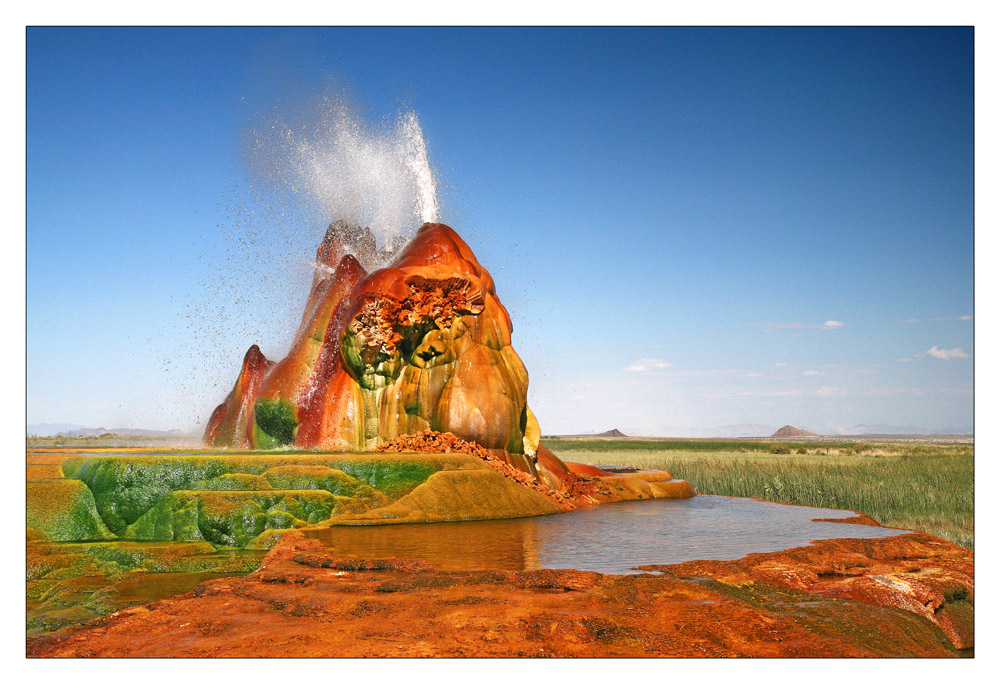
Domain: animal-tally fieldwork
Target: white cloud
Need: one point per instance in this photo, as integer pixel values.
(936, 353)
(812, 372)
(643, 365)
(780, 364)
(911, 320)
(964, 318)
(833, 325)
(947, 354)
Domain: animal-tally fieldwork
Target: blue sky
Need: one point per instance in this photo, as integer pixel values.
(689, 227)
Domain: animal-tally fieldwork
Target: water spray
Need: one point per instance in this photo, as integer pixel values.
(371, 177)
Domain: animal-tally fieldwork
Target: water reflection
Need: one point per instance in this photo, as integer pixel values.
(612, 538)
(482, 545)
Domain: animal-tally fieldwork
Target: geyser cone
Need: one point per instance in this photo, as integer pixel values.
(229, 424)
(340, 240)
(422, 344)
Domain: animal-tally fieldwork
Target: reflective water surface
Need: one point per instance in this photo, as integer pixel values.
(611, 538)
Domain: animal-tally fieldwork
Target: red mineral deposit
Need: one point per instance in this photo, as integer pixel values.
(230, 421)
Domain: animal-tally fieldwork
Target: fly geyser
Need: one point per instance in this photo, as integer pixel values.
(383, 360)
(422, 344)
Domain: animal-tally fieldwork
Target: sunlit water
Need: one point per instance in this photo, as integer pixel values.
(611, 538)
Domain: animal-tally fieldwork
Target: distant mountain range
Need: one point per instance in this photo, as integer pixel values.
(760, 430)
(51, 429)
(883, 429)
(71, 430)
(735, 430)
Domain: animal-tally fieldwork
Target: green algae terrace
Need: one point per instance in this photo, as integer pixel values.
(233, 499)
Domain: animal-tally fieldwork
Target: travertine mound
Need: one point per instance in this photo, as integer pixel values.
(424, 344)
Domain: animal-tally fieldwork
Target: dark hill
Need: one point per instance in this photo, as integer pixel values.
(789, 431)
(612, 433)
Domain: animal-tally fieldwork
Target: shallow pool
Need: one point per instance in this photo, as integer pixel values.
(611, 538)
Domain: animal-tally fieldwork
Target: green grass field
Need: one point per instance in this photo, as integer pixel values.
(927, 487)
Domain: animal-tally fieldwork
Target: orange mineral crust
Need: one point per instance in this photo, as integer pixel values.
(917, 573)
(305, 601)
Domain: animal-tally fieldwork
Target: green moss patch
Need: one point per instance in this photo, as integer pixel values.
(61, 561)
(275, 423)
(236, 482)
(74, 582)
(232, 519)
(126, 487)
(64, 510)
(318, 477)
(398, 474)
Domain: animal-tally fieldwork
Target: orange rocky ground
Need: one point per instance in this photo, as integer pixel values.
(909, 595)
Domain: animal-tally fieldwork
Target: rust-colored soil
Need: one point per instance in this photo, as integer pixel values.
(916, 572)
(836, 598)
